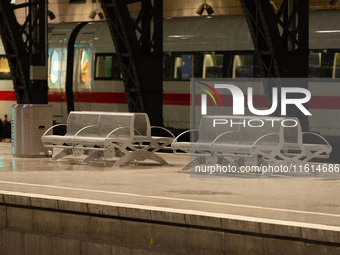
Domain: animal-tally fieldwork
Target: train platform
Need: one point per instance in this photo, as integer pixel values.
(307, 200)
(310, 202)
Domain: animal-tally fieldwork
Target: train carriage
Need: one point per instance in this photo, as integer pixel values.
(84, 70)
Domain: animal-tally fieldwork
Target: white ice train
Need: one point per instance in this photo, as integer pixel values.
(84, 71)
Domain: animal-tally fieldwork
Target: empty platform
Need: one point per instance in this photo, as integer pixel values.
(301, 214)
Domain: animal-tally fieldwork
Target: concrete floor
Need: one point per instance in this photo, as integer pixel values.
(307, 200)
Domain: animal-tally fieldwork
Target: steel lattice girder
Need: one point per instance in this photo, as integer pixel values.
(281, 43)
(26, 49)
(280, 39)
(139, 47)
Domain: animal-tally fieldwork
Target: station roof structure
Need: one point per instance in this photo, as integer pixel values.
(79, 10)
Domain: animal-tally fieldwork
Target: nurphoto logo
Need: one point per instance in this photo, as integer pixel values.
(238, 99)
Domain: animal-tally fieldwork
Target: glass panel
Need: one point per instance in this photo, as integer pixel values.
(243, 66)
(178, 68)
(5, 72)
(54, 67)
(103, 67)
(186, 67)
(84, 66)
(314, 68)
(182, 67)
(336, 68)
(213, 66)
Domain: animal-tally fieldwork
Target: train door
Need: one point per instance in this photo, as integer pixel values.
(243, 66)
(56, 73)
(212, 66)
(82, 72)
(182, 67)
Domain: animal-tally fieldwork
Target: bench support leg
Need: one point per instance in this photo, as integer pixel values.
(207, 160)
(61, 154)
(140, 155)
(90, 157)
(195, 161)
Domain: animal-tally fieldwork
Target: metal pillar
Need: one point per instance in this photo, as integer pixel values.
(281, 43)
(26, 49)
(139, 47)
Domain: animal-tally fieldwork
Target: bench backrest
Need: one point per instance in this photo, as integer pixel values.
(293, 134)
(261, 130)
(118, 124)
(123, 124)
(78, 120)
(212, 126)
(141, 125)
(246, 130)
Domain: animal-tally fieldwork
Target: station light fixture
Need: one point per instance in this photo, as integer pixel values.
(209, 9)
(203, 7)
(93, 13)
(50, 15)
(200, 9)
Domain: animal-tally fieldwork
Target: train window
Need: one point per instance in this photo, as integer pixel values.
(103, 67)
(84, 62)
(178, 68)
(5, 72)
(336, 67)
(106, 67)
(213, 66)
(182, 67)
(314, 67)
(54, 67)
(243, 66)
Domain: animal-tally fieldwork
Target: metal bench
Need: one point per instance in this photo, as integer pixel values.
(305, 151)
(206, 134)
(250, 141)
(105, 135)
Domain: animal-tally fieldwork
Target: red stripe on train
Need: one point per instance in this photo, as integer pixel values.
(7, 96)
(100, 97)
(324, 102)
(176, 99)
(316, 102)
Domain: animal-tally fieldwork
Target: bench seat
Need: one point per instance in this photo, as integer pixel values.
(220, 142)
(107, 134)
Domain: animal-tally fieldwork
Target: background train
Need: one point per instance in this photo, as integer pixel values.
(220, 47)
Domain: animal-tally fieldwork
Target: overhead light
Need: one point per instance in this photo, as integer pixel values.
(101, 15)
(93, 13)
(203, 7)
(200, 9)
(50, 15)
(209, 9)
(327, 31)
